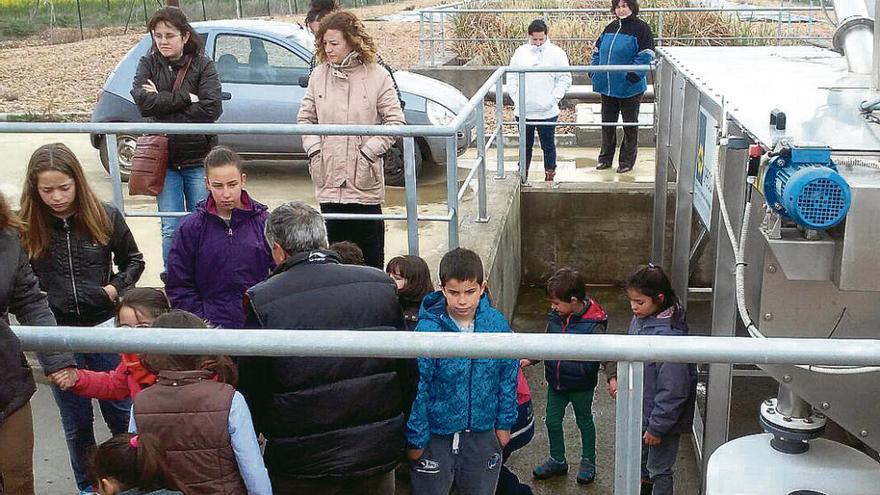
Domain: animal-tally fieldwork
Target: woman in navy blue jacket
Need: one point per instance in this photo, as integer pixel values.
(627, 40)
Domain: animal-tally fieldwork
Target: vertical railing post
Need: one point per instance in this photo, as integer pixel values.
(115, 174)
(660, 28)
(452, 189)
(431, 34)
(442, 35)
(628, 428)
(412, 208)
(521, 97)
(483, 211)
(499, 123)
(422, 38)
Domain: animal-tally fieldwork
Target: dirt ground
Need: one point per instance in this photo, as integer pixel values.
(45, 74)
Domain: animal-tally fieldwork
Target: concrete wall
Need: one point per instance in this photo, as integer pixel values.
(498, 242)
(600, 229)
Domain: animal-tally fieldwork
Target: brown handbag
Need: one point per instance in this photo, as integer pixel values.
(150, 159)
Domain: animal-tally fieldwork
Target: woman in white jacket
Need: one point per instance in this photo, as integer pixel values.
(543, 90)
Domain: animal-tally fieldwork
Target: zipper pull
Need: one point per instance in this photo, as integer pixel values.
(229, 232)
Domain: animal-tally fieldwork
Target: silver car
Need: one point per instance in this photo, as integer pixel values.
(261, 65)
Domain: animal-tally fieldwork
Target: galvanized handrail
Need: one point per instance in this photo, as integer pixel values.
(474, 106)
(631, 352)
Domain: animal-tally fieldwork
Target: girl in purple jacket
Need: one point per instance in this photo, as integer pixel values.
(220, 250)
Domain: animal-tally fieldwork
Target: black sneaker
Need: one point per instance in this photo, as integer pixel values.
(603, 166)
(622, 169)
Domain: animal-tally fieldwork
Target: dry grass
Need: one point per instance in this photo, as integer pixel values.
(491, 38)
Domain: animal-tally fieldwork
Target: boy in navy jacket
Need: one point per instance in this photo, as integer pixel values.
(573, 313)
(464, 409)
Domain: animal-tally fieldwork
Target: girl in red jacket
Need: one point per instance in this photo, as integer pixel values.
(137, 309)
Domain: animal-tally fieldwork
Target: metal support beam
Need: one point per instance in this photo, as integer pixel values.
(412, 207)
(116, 177)
(452, 191)
(733, 158)
(684, 200)
(628, 428)
(482, 192)
(521, 96)
(499, 118)
(663, 121)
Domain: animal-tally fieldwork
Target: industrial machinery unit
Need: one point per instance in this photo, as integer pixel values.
(774, 154)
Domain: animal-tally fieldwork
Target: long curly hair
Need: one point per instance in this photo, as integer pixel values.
(355, 35)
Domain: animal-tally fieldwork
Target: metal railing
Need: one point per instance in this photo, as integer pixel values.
(407, 132)
(435, 41)
(631, 352)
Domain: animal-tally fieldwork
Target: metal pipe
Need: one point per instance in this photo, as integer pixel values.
(628, 427)
(792, 405)
(854, 35)
(166, 128)
(499, 118)
(110, 145)
(482, 201)
(521, 96)
(412, 207)
(344, 343)
(452, 191)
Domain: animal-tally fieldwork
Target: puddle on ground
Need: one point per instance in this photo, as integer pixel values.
(585, 162)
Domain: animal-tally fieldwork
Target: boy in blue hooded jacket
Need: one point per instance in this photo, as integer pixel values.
(464, 409)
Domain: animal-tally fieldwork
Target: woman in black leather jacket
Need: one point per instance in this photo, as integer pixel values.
(73, 241)
(177, 47)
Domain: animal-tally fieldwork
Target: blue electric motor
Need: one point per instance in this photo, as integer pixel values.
(802, 184)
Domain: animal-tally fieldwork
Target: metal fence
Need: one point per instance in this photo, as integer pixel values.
(408, 133)
(792, 24)
(471, 113)
(631, 352)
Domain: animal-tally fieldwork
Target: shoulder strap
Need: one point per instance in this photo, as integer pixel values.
(178, 81)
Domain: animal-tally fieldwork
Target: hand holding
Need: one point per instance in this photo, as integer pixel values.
(65, 379)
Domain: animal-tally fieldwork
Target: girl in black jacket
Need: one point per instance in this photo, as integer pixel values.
(177, 47)
(73, 240)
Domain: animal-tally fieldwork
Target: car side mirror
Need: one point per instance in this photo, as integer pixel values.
(304, 82)
(225, 96)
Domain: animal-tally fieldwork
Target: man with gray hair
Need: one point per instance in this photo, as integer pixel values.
(333, 425)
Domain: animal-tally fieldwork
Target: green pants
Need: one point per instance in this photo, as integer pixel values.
(582, 402)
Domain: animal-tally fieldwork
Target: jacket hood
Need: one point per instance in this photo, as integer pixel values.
(592, 312)
(663, 323)
(434, 309)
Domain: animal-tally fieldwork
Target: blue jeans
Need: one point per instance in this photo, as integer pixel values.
(77, 417)
(184, 188)
(547, 135)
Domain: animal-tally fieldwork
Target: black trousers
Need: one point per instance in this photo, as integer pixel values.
(369, 235)
(611, 109)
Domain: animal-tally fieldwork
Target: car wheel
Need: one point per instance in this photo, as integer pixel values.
(125, 146)
(394, 173)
